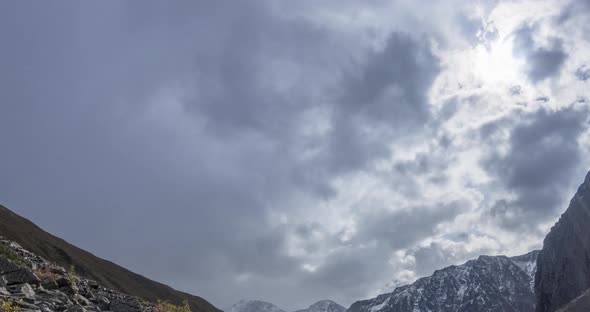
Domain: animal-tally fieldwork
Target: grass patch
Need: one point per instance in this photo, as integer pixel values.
(9, 306)
(165, 306)
(12, 256)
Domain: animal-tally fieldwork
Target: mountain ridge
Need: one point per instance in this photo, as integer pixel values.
(324, 306)
(263, 306)
(253, 306)
(488, 283)
(108, 274)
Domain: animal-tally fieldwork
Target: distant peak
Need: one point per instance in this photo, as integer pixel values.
(246, 305)
(324, 302)
(325, 306)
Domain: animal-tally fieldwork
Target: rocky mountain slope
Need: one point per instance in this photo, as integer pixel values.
(324, 306)
(30, 283)
(489, 283)
(580, 304)
(107, 274)
(253, 306)
(564, 263)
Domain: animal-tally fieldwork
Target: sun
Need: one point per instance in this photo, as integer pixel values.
(494, 62)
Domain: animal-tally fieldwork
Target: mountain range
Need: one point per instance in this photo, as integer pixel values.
(262, 306)
(556, 278)
(488, 283)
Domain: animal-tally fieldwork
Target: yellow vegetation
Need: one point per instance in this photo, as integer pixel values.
(164, 306)
(9, 306)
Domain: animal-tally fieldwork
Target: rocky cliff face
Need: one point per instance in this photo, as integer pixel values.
(564, 263)
(499, 284)
(580, 304)
(29, 283)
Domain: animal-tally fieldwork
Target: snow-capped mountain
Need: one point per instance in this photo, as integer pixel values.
(486, 284)
(324, 306)
(253, 306)
(528, 262)
(261, 306)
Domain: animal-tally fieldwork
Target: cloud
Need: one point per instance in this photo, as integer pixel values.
(542, 61)
(583, 73)
(187, 123)
(287, 151)
(542, 156)
(402, 229)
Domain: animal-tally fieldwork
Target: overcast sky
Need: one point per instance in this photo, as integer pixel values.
(292, 151)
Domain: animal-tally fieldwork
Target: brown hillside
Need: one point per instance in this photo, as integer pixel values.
(54, 249)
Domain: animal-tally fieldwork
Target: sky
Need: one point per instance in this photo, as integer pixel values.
(292, 151)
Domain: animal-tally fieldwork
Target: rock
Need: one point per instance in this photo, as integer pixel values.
(93, 284)
(63, 282)
(58, 270)
(76, 308)
(26, 290)
(49, 284)
(20, 276)
(7, 266)
(81, 300)
(564, 263)
(126, 304)
(27, 306)
(103, 303)
(45, 308)
(67, 293)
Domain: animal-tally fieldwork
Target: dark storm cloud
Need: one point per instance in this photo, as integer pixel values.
(393, 82)
(542, 62)
(185, 198)
(583, 73)
(76, 80)
(542, 160)
(388, 92)
(574, 8)
(401, 229)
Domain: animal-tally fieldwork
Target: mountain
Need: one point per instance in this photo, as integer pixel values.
(30, 283)
(262, 306)
(564, 262)
(106, 273)
(486, 284)
(580, 304)
(324, 306)
(253, 306)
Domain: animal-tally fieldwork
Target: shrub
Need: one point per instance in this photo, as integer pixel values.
(164, 306)
(46, 274)
(73, 276)
(9, 306)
